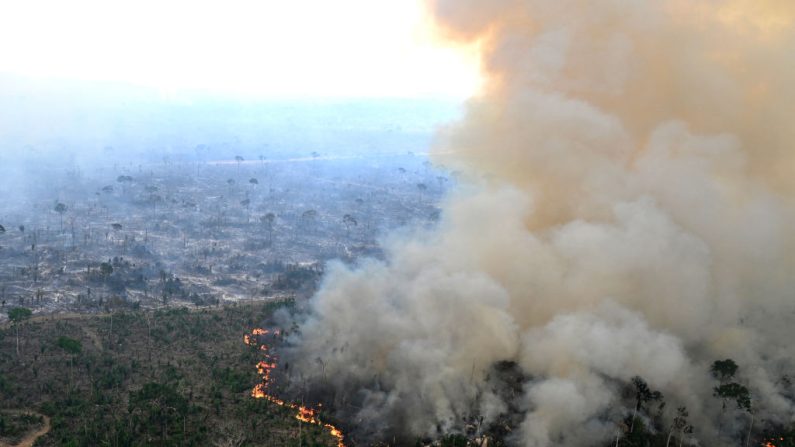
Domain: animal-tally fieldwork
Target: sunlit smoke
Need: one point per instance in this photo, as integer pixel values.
(629, 213)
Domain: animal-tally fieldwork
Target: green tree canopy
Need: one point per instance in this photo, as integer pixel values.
(736, 392)
(105, 269)
(19, 314)
(723, 370)
(70, 345)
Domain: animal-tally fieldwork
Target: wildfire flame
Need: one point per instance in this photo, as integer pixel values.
(260, 391)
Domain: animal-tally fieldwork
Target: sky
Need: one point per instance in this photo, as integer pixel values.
(252, 48)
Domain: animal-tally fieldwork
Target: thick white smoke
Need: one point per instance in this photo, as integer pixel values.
(631, 213)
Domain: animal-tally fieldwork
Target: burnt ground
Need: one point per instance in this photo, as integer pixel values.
(201, 233)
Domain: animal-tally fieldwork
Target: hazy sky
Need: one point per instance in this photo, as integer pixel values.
(241, 47)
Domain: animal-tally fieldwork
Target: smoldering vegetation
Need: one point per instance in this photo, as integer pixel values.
(151, 202)
(617, 268)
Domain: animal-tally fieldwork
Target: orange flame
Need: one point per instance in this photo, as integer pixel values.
(769, 443)
(260, 391)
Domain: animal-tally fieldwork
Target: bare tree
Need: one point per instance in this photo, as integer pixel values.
(643, 394)
(18, 315)
(423, 188)
(231, 183)
(239, 160)
(246, 203)
(680, 424)
(268, 220)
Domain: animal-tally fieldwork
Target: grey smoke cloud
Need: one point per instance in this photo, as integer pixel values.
(630, 212)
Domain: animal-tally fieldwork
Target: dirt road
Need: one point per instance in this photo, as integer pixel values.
(30, 438)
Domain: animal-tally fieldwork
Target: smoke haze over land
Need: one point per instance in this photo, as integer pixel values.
(629, 213)
(51, 126)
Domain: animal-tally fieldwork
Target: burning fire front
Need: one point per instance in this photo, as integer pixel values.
(261, 390)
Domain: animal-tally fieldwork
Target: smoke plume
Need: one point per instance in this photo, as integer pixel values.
(628, 212)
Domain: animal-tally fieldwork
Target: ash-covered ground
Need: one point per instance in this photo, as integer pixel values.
(201, 231)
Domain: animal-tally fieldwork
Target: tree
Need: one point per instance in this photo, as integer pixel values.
(246, 203)
(735, 392)
(422, 187)
(105, 269)
(71, 346)
(268, 220)
(688, 430)
(18, 315)
(723, 370)
(262, 159)
(751, 413)
(60, 208)
(728, 390)
(122, 179)
(238, 159)
(442, 180)
(349, 221)
(679, 424)
(154, 199)
(643, 394)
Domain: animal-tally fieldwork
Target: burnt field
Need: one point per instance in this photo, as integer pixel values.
(201, 232)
